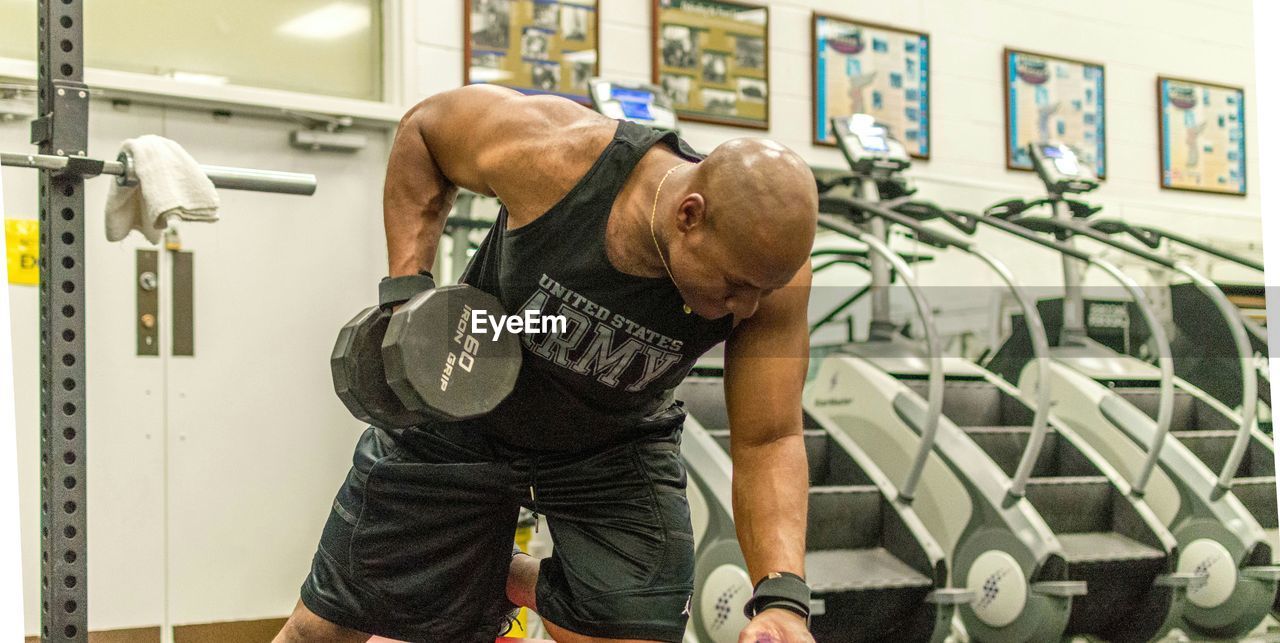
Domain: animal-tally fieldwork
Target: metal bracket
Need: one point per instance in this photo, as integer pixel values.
(71, 104)
(41, 130)
(1262, 572)
(325, 122)
(950, 596)
(82, 166)
(1060, 588)
(1182, 579)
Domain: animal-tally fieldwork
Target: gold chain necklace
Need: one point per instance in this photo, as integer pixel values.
(652, 214)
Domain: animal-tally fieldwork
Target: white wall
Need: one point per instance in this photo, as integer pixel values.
(10, 536)
(1135, 39)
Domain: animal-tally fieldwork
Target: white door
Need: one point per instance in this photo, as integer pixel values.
(211, 475)
(259, 442)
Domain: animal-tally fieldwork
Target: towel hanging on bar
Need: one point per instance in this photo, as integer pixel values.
(170, 183)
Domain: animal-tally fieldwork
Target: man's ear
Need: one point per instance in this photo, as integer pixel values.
(691, 213)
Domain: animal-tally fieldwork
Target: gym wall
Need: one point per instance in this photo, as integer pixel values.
(1136, 40)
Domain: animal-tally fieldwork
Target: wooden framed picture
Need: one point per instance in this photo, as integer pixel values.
(535, 46)
(1054, 99)
(865, 68)
(712, 58)
(1201, 136)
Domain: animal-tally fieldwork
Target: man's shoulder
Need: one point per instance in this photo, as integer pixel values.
(535, 171)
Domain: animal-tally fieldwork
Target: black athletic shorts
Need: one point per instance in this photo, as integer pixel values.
(418, 542)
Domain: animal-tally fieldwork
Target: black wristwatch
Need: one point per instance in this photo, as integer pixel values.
(393, 291)
(781, 590)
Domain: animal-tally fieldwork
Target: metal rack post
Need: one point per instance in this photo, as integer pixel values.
(62, 129)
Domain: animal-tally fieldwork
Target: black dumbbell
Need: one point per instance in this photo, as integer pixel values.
(437, 365)
(421, 363)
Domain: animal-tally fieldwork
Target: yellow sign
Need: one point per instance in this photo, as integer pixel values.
(22, 248)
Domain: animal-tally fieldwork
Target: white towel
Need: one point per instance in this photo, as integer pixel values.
(170, 182)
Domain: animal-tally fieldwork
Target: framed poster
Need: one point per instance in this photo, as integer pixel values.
(535, 46)
(1048, 99)
(863, 68)
(1201, 136)
(712, 58)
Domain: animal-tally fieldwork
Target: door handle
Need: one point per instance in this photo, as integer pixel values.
(147, 294)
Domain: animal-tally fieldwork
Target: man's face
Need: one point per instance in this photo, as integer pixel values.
(721, 273)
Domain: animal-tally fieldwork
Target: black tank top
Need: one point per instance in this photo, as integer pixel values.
(610, 375)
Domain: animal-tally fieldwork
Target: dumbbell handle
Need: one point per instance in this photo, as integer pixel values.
(393, 291)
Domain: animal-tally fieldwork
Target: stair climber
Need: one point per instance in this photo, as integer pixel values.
(1122, 407)
(1208, 430)
(876, 573)
(1111, 542)
(1204, 354)
(1107, 538)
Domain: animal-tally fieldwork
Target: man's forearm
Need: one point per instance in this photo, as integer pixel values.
(416, 198)
(771, 504)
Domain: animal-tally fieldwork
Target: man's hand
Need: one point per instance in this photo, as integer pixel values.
(776, 626)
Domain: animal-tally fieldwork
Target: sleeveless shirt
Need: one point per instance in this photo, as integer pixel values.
(609, 376)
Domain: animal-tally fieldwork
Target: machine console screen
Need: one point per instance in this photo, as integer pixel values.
(638, 102)
(635, 103)
(873, 142)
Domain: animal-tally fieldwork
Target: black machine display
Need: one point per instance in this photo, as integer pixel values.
(1060, 169)
(868, 146)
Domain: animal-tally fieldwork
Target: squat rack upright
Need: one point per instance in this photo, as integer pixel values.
(61, 130)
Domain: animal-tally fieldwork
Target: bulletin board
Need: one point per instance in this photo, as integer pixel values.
(712, 58)
(535, 46)
(1201, 136)
(1054, 99)
(863, 68)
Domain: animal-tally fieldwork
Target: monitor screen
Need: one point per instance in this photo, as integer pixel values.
(1067, 165)
(635, 102)
(1051, 151)
(873, 143)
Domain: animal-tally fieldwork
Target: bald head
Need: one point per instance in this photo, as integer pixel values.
(760, 195)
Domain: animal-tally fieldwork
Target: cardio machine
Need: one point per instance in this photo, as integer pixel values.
(875, 571)
(1204, 354)
(1110, 560)
(1205, 350)
(1214, 483)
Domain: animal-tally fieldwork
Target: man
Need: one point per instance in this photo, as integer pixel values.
(654, 256)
